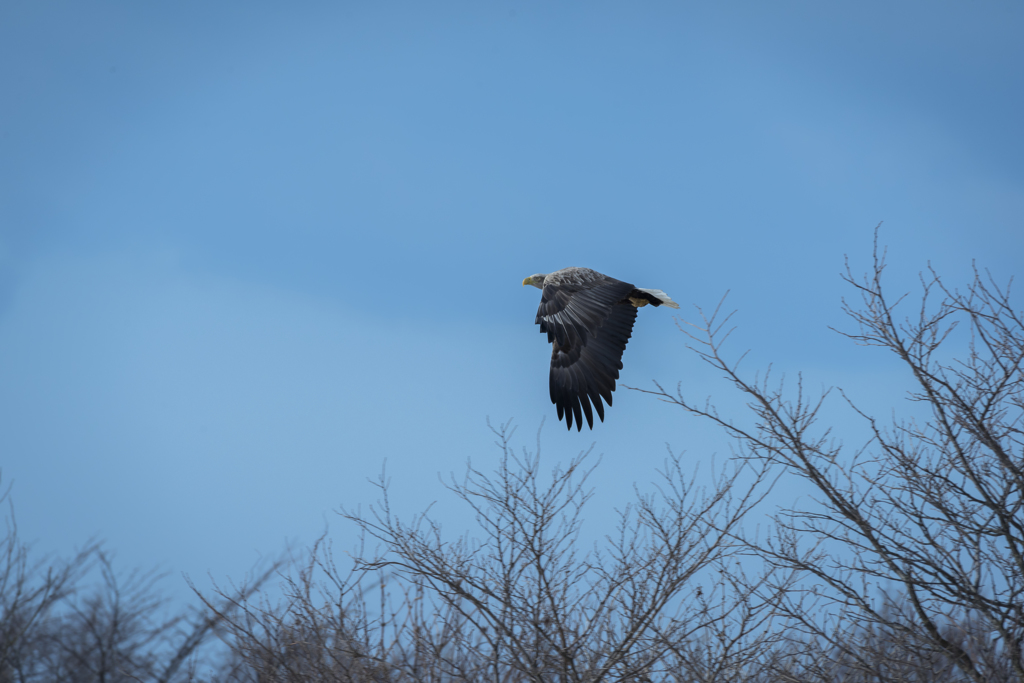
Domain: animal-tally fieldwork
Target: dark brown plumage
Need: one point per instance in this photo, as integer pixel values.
(588, 318)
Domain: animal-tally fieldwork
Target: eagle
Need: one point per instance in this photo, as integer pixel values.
(588, 318)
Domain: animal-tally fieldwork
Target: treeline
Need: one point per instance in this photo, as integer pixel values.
(906, 566)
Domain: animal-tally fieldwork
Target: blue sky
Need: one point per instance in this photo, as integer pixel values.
(251, 251)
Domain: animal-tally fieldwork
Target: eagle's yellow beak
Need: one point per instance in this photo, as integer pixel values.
(526, 282)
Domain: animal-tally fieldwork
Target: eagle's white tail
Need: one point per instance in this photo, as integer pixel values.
(660, 296)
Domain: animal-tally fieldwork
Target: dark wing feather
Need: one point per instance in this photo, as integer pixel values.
(588, 325)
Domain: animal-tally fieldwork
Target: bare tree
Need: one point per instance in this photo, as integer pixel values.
(320, 628)
(118, 630)
(526, 603)
(533, 605)
(29, 591)
(916, 541)
(80, 620)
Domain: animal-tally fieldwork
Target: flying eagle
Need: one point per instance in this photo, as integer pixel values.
(588, 318)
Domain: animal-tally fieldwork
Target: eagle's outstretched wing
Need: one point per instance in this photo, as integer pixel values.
(588, 318)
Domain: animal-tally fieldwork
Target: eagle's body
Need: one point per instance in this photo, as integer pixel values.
(588, 318)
